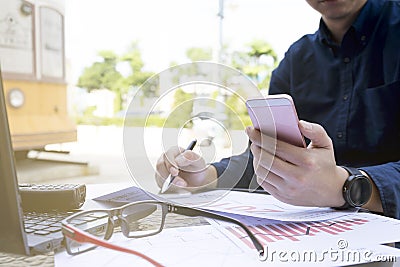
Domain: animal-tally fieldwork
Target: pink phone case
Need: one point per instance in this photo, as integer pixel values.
(276, 115)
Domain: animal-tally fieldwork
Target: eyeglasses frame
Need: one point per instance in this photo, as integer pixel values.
(74, 233)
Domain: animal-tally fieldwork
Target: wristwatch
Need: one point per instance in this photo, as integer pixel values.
(357, 189)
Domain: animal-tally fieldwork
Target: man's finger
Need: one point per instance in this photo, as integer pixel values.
(280, 149)
(316, 133)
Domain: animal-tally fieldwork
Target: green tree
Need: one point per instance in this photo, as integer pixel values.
(193, 54)
(257, 61)
(103, 75)
(199, 54)
(138, 76)
(236, 111)
(181, 109)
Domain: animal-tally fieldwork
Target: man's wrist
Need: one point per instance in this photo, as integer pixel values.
(342, 175)
(211, 178)
(374, 204)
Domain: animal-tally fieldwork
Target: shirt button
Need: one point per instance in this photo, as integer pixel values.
(363, 38)
(346, 60)
(339, 135)
(345, 97)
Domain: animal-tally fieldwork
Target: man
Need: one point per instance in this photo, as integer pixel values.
(345, 79)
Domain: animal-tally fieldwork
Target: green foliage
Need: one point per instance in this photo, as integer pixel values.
(236, 123)
(181, 111)
(137, 121)
(138, 76)
(94, 120)
(142, 121)
(260, 47)
(235, 111)
(89, 111)
(133, 57)
(257, 62)
(104, 74)
(151, 121)
(199, 54)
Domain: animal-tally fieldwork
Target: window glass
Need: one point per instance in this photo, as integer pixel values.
(52, 50)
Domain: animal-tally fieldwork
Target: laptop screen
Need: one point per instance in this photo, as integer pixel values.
(12, 236)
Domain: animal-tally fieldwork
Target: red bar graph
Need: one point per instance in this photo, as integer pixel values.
(292, 230)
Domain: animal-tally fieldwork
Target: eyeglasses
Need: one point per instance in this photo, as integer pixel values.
(86, 230)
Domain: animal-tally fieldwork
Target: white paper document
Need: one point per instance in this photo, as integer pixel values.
(256, 205)
(209, 245)
(250, 204)
(290, 235)
(356, 229)
(188, 246)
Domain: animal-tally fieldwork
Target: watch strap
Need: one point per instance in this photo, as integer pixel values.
(352, 171)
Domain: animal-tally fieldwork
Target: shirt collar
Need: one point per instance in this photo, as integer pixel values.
(363, 26)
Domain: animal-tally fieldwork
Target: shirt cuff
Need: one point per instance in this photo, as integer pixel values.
(388, 186)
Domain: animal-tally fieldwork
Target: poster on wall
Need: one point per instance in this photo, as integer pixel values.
(16, 37)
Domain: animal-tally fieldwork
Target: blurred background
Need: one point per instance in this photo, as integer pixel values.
(72, 68)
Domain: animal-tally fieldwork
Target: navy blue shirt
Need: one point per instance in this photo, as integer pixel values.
(353, 91)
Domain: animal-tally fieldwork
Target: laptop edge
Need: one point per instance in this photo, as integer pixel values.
(13, 238)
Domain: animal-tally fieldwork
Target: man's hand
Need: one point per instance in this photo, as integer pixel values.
(299, 176)
(189, 168)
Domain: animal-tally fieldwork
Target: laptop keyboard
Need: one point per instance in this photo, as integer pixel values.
(44, 223)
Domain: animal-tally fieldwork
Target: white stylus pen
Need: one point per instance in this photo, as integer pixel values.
(170, 178)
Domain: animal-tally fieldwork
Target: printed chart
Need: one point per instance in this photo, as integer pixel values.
(256, 205)
(358, 229)
(292, 231)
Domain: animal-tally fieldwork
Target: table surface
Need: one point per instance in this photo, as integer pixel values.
(93, 191)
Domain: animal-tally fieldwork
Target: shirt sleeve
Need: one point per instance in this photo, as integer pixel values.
(280, 78)
(236, 171)
(387, 179)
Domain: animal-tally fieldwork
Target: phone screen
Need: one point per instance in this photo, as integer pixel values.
(276, 116)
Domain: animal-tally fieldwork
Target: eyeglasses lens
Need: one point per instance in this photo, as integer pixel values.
(143, 219)
(94, 223)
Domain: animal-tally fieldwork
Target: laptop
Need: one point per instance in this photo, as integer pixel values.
(13, 236)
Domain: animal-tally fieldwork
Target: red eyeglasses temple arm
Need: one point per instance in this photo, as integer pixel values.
(82, 237)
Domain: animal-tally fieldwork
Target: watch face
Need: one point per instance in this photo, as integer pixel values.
(360, 190)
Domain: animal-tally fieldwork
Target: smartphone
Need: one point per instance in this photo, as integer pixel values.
(276, 115)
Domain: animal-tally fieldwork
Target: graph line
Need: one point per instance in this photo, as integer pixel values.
(293, 230)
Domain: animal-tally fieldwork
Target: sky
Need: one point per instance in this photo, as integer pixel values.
(165, 29)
